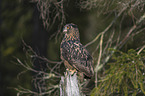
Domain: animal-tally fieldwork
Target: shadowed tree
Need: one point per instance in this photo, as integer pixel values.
(1, 92)
(39, 45)
(114, 25)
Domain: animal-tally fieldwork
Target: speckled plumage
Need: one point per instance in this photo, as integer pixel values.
(73, 53)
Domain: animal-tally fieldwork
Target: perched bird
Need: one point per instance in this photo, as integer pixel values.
(74, 54)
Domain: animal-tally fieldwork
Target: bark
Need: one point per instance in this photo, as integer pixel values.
(69, 85)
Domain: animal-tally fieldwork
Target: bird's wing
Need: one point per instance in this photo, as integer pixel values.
(78, 57)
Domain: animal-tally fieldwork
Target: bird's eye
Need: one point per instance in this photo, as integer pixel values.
(67, 27)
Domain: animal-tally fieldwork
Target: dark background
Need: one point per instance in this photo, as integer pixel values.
(20, 20)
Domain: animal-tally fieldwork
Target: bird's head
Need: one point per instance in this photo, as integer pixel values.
(69, 27)
(71, 31)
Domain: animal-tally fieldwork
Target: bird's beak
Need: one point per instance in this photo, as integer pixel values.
(65, 30)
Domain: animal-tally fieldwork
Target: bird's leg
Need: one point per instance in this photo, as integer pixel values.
(72, 71)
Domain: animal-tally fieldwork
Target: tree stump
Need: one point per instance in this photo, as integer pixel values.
(69, 85)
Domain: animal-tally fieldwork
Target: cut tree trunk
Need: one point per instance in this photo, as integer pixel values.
(69, 85)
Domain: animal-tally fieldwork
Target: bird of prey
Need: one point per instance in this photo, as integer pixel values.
(74, 54)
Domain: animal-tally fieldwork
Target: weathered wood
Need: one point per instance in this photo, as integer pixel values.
(69, 85)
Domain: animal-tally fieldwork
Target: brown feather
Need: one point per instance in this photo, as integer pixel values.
(74, 54)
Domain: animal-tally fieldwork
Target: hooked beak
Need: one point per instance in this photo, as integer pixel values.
(65, 30)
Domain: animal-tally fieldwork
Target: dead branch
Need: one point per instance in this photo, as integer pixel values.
(51, 11)
(105, 56)
(37, 56)
(107, 28)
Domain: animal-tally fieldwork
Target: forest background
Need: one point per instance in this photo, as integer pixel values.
(31, 31)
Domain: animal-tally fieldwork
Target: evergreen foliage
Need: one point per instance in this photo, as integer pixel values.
(125, 76)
